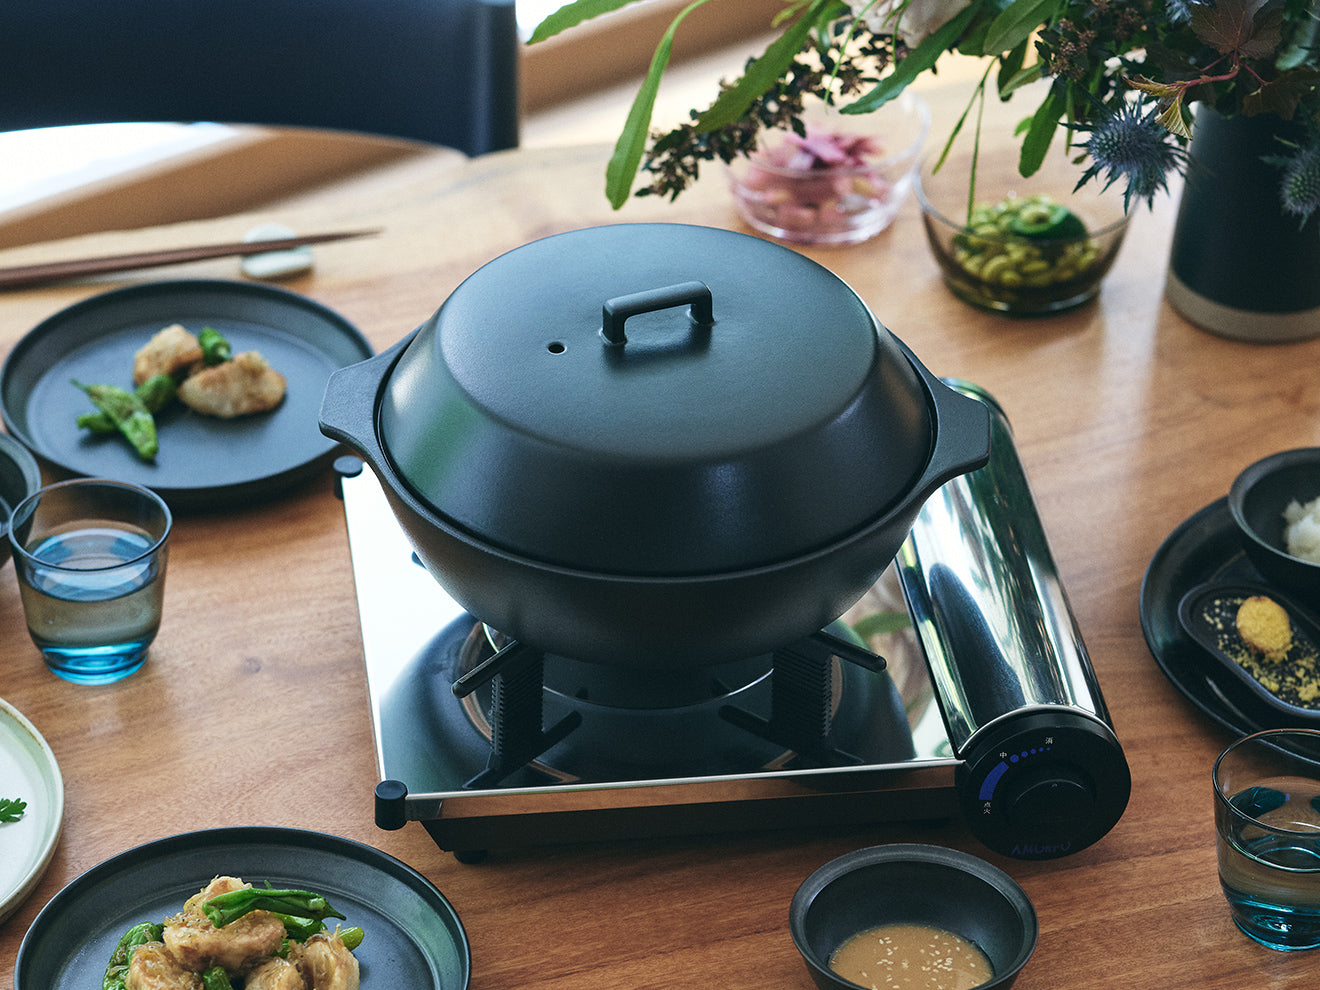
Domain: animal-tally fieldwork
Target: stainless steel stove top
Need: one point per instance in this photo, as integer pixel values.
(625, 772)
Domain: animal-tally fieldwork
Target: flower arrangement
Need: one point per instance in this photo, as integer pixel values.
(1122, 76)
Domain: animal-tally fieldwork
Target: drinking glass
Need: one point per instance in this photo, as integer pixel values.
(90, 557)
(1267, 817)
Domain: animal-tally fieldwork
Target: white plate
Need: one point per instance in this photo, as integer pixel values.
(28, 772)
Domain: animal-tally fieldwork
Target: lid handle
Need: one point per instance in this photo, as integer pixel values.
(615, 312)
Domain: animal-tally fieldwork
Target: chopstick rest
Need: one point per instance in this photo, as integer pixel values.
(278, 264)
(46, 272)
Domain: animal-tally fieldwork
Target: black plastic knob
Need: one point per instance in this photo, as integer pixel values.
(1051, 798)
(1043, 784)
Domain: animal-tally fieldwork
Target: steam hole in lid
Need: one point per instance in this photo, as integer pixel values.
(555, 347)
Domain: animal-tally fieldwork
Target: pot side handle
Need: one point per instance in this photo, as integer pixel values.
(962, 435)
(348, 407)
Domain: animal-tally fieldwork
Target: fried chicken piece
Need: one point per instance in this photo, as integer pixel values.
(247, 384)
(327, 964)
(171, 351)
(244, 943)
(153, 967)
(275, 974)
(1264, 627)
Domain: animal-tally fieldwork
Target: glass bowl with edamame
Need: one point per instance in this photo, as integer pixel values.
(1020, 246)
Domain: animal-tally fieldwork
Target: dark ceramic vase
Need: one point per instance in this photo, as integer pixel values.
(1239, 266)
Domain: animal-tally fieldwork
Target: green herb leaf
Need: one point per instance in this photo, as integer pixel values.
(573, 14)
(11, 810)
(1040, 132)
(917, 61)
(631, 145)
(763, 72)
(1016, 23)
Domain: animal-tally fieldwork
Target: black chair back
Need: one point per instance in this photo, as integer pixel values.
(439, 71)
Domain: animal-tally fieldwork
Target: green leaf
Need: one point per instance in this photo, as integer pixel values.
(631, 144)
(1040, 131)
(1022, 77)
(572, 14)
(1010, 65)
(11, 809)
(764, 72)
(917, 61)
(1015, 24)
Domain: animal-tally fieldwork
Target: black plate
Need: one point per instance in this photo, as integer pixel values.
(1209, 609)
(1205, 548)
(204, 462)
(414, 938)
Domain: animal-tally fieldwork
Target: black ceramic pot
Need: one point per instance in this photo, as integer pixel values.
(1239, 266)
(654, 445)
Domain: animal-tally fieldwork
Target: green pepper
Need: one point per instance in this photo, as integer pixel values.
(156, 393)
(216, 978)
(131, 417)
(302, 911)
(1043, 219)
(117, 971)
(215, 348)
(351, 937)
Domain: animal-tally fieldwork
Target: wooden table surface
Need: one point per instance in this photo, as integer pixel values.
(253, 710)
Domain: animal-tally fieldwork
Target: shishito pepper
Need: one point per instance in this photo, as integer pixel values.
(215, 348)
(302, 911)
(117, 971)
(129, 414)
(156, 393)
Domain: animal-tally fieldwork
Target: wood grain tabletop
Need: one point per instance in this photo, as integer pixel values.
(252, 708)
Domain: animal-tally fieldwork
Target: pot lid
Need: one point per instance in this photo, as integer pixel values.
(655, 399)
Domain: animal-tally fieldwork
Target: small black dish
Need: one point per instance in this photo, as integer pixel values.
(19, 478)
(1207, 613)
(1257, 500)
(913, 884)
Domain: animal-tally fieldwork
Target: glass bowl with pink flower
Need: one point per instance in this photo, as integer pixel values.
(840, 182)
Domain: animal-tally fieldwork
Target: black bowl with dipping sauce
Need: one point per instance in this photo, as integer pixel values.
(920, 885)
(1257, 501)
(19, 478)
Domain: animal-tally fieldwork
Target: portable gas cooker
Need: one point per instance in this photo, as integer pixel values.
(491, 745)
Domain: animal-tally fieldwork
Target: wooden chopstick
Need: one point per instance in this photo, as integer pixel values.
(27, 276)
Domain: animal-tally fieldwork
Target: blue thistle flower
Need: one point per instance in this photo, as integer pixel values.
(1132, 145)
(1300, 188)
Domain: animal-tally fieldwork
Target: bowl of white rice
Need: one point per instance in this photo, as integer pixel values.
(1276, 506)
